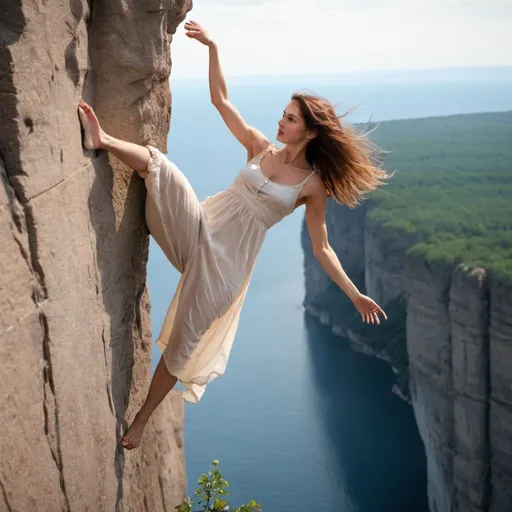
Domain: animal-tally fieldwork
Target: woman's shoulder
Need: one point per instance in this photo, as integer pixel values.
(315, 187)
(259, 143)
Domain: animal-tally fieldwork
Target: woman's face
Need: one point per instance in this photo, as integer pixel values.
(291, 127)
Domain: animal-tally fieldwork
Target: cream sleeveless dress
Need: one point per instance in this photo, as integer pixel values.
(214, 245)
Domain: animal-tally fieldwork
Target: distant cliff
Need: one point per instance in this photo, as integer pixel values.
(449, 338)
(75, 335)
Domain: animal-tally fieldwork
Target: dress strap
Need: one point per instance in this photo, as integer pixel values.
(259, 156)
(302, 183)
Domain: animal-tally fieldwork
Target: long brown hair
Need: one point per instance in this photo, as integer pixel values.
(346, 160)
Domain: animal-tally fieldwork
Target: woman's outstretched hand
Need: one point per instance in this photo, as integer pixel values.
(369, 309)
(195, 31)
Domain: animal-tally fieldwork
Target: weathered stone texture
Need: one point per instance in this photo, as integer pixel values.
(500, 338)
(74, 308)
(384, 263)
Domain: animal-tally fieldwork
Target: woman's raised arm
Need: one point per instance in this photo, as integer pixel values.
(251, 138)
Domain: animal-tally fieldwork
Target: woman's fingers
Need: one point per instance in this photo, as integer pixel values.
(193, 26)
(372, 316)
(370, 311)
(381, 311)
(193, 33)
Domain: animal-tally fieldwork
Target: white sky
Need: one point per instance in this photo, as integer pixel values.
(288, 37)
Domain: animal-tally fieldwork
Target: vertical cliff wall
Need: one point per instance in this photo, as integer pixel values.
(447, 339)
(500, 421)
(456, 350)
(384, 262)
(459, 337)
(74, 308)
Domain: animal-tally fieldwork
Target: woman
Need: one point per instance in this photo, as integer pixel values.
(214, 244)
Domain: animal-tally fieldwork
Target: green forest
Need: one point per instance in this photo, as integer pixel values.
(451, 193)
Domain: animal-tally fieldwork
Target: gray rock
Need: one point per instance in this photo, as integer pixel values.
(384, 263)
(502, 492)
(428, 320)
(448, 343)
(469, 314)
(471, 422)
(500, 433)
(74, 311)
(500, 333)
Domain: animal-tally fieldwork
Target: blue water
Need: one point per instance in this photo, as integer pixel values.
(299, 421)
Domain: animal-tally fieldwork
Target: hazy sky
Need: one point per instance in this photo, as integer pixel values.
(283, 37)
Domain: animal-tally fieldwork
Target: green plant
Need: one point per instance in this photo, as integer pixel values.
(213, 485)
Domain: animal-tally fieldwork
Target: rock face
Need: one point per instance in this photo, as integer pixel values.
(384, 263)
(459, 352)
(447, 339)
(459, 339)
(500, 423)
(74, 308)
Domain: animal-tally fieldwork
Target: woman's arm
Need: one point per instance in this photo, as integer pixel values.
(315, 222)
(251, 138)
(218, 88)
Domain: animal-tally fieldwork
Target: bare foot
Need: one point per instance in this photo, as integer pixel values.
(93, 132)
(133, 436)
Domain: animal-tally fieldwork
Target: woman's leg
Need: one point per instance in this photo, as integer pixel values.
(133, 155)
(137, 158)
(161, 384)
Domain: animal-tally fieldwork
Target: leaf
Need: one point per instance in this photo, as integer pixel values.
(186, 506)
(220, 505)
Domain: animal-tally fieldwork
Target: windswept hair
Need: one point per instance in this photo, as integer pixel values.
(346, 160)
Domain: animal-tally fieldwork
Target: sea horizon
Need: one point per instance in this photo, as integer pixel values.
(494, 73)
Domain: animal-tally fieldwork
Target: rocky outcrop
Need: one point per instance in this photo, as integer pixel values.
(459, 337)
(447, 339)
(384, 262)
(500, 422)
(455, 351)
(74, 308)
(469, 355)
